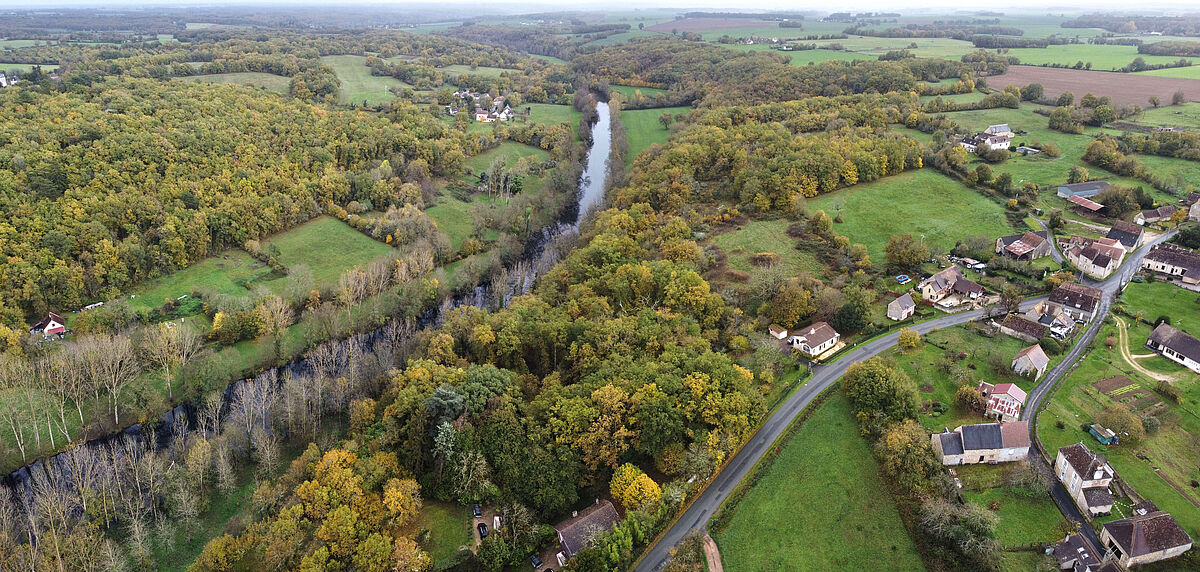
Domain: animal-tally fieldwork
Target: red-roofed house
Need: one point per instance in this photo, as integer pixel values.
(51, 325)
(1004, 401)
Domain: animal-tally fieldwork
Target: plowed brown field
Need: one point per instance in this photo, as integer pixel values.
(1123, 88)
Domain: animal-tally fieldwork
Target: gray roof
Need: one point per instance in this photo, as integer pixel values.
(1177, 340)
(1086, 189)
(985, 436)
(577, 532)
(1076, 296)
(904, 302)
(952, 443)
(1098, 496)
(1139, 535)
(1129, 234)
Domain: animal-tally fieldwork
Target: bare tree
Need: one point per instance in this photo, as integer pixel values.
(14, 371)
(277, 315)
(352, 288)
(169, 346)
(112, 364)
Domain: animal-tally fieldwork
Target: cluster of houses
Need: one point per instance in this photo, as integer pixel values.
(949, 288)
(1095, 257)
(993, 138)
(1175, 262)
(1147, 535)
(499, 110)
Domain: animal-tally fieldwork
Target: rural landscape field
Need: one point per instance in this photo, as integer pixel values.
(437, 287)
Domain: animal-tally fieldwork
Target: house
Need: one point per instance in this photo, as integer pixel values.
(1102, 434)
(1004, 401)
(451, 110)
(1079, 302)
(1084, 206)
(1144, 538)
(972, 143)
(1194, 212)
(1097, 257)
(901, 308)
(1002, 130)
(939, 285)
(1086, 189)
(982, 443)
(1174, 260)
(1053, 317)
(967, 288)
(483, 115)
(1022, 329)
(1078, 554)
(777, 332)
(1086, 476)
(1027, 246)
(506, 114)
(1032, 358)
(814, 340)
(1128, 233)
(575, 533)
(51, 325)
(1163, 213)
(1175, 345)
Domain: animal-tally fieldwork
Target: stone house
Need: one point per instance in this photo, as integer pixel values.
(1079, 302)
(1147, 536)
(982, 443)
(901, 308)
(1004, 401)
(1032, 358)
(1086, 476)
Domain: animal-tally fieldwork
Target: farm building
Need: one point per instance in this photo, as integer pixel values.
(1146, 536)
(1004, 401)
(982, 443)
(1087, 189)
(901, 308)
(1078, 301)
(1026, 246)
(973, 143)
(814, 340)
(1084, 206)
(1002, 130)
(1021, 328)
(1174, 260)
(1128, 233)
(1175, 345)
(1086, 476)
(1155, 215)
(1032, 358)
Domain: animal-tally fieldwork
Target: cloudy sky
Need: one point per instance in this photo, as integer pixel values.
(1058, 6)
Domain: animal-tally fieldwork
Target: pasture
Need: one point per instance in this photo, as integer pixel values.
(643, 128)
(819, 505)
(1154, 299)
(1189, 72)
(26, 68)
(1124, 89)
(232, 273)
(764, 236)
(628, 90)
(1186, 115)
(550, 114)
(328, 246)
(484, 71)
(913, 202)
(272, 82)
(359, 87)
(1102, 57)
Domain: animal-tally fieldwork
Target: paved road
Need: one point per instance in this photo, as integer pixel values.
(1110, 286)
(1054, 252)
(698, 515)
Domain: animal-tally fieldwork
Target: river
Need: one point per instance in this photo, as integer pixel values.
(542, 252)
(595, 174)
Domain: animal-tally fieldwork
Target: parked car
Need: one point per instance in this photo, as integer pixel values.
(482, 530)
(477, 511)
(537, 562)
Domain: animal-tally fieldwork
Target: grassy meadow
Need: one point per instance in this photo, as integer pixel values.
(808, 510)
(1156, 299)
(764, 236)
(269, 81)
(359, 87)
(921, 202)
(643, 129)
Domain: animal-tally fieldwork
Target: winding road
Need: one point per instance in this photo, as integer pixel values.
(696, 517)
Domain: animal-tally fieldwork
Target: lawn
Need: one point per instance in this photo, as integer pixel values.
(231, 273)
(935, 382)
(819, 505)
(550, 114)
(1156, 299)
(269, 81)
(509, 151)
(629, 90)
(359, 87)
(482, 71)
(765, 236)
(643, 129)
(328, 246)
(922, 202)
(449, 527)
(1023, 520)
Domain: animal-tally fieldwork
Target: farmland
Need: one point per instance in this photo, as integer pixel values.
(483, 71)
(328, 246)
(269, 81)
(807, 510)
(359, 87)
(1124, 89)
(914, 204)
(231, 273)
(1102, 57)
(550, 114)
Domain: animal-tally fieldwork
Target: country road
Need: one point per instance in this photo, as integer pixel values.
(698, 514)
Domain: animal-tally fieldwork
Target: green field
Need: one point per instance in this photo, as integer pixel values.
(231, 273)
(1190, 72)
(629, 90)
(1023, 521)
(328, 246)
(269, 81)
(1186, 115)
(359, 87)
(1102, 57)
(509, 151)
(643, 129)
(449, 529)
(550, 114)
(453, 216)
(922, 202)
(820, 505)
(764, 236)
(1156, 299)
(805, 57)
(484, 71)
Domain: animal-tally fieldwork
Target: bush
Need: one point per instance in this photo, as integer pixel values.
(1060, 424)
(1051, 345)
(1151, 424)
